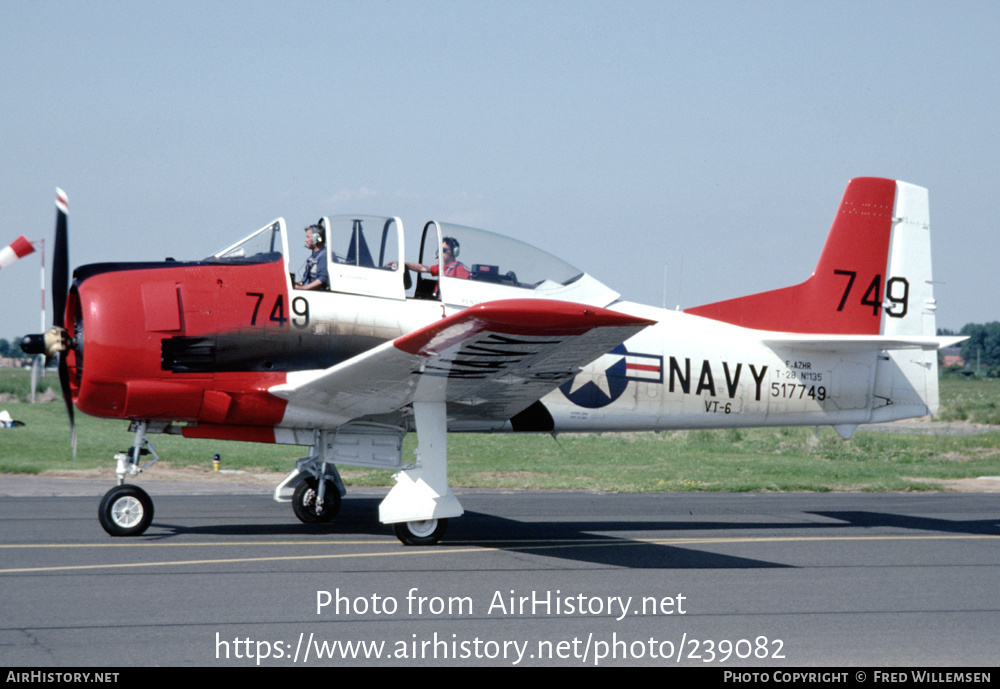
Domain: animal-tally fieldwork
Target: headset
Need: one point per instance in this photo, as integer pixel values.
(318, 234)
(453, 245)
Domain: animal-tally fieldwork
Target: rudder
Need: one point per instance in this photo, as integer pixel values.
(906, 381)
(909, 289)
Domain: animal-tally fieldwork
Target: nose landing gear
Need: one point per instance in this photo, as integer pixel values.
(127, 510)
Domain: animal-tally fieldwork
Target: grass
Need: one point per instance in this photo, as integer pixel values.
(976, 400)
(769, 459)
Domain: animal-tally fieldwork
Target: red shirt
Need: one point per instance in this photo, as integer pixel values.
(453, 270)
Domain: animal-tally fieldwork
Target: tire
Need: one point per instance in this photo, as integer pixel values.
(304, 502)
(125, 510)
(424, 532)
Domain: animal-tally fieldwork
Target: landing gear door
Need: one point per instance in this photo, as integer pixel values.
(366, 255)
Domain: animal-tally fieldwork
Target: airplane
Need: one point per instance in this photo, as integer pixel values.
(512, 339)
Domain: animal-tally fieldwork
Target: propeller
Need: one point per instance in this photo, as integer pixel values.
(56, 342)
(60, 288)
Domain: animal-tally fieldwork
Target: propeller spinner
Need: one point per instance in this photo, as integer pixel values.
(57, 341)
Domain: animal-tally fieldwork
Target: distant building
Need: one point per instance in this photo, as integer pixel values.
(952, 356)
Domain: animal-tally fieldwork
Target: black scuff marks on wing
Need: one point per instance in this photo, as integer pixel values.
(485, 357)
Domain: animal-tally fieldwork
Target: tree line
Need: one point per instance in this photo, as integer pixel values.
(982, 349)
(10, 349)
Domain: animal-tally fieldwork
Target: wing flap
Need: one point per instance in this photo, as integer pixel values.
(489, 361)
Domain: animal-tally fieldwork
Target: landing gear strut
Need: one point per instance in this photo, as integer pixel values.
(420, 504)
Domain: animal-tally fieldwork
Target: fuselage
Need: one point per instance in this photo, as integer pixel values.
(202, 343)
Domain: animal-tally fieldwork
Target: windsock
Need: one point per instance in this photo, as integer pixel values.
(19, 248)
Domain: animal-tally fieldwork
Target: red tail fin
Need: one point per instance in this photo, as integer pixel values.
(844, 294)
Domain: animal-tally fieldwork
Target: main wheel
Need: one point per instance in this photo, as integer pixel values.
(304, 502)
(125, 510)
(423, 532)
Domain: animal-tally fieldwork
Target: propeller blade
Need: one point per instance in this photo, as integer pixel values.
(68, 399)
(56, 341)
(60, 262)
(60, 289)
(37, 371)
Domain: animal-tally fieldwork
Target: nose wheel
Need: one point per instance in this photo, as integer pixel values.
(125, 510)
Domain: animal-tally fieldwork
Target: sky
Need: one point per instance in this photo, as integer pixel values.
(680, 152)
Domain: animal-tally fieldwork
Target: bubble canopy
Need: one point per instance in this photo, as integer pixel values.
(492, 257)
(365, 255)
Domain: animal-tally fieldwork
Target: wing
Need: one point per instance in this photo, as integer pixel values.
(489, 362)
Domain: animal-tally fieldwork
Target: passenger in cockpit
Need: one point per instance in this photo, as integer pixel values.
(453, 268)
(315, 274)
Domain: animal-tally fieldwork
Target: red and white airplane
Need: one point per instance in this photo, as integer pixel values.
(511, 339)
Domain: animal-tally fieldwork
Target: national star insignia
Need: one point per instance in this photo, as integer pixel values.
(595, 373)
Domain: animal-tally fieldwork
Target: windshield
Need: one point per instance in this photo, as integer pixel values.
(263, 246)
(494, 258)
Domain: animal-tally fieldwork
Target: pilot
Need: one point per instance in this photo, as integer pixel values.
(453, 268)
(315, 275)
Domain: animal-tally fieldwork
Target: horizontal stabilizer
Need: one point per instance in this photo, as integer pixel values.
(859, 342)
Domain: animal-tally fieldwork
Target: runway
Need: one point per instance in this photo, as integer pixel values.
(228, 577)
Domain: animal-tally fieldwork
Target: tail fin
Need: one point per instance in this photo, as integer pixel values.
(871, 291)
(873, 277)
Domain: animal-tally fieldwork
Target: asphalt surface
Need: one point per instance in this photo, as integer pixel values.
(225, 576)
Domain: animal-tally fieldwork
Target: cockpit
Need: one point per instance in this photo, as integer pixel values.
(455, 264)
(492, 258)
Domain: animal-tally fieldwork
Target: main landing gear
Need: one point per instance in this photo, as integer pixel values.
(316, 502)
(317, 497)
(315, 489)
(420, 503)
(423, 532)
(127, 510)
